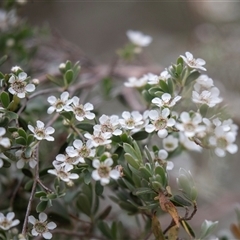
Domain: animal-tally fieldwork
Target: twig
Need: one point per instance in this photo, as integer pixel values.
(15, 193)
(43, 186)
(24, 229)
(78, 132)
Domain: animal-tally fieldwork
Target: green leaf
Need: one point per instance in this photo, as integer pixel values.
(161, 172)
(68, 65)
(30, 139)
(203, 110)
(22, 133)
(180, 200)
(138, 136)
(104, 228)
(192, 76)
(188, 228)
(40, 194)
(105, 213)
(52, 196)
(42, 206)
(5, 99)
(152, 91)
(129, 149)
(6, 163)
(147, 96)
(27, 172)
(180, 61)
(145, 173)
(207, 228)
(128, 207)
(88, 127)
(170, 85)
(133, 162)
(98, 188)
(10, 156)
(143, 190)
(164, 86)
(68, 77)
(83, 204)
(3, 59)
(87, 177)
(28, 185)
(21, 141)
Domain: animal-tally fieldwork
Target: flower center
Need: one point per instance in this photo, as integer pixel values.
(62, 174)
(79, 111)
(189, 127)
(222, 143)
(40, 227)
(160, 123)
(40, 132)
(59, 104)
(71, 160)
(130, 122)
(103, 171)
(98, 139)
(5, 223)
(19, 86)
(84, 152)
(107, 128)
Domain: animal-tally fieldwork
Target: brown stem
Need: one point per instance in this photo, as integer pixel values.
(24, 229)
(43, 186)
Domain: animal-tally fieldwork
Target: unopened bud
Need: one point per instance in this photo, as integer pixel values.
(35, 81)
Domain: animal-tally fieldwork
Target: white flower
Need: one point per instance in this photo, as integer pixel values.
(162, 155)
(59, 104)
(84, 150)
(203, 82)
(103, 171)
(192, 62)
(41, 227)
(223, 141)
(227, 125)
(166, 100)
(159, 122)
(18, 85)
(63, 172)
(7, 222)
(99, 138)
(170, 143)
(82, 111)
(109, 124)
(209, 97)
(188, 144)
(152, 79)
(16, 69)
(41, 133)
(131, 120)
(4, 141)
(63, 160)
(136, 82)
(138, 38)
(190, 125)
(32, 161)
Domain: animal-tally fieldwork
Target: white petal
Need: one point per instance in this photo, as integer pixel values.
(90, 115)
(95, 175)
(73, 176)
(114, 174)
(31, 128)
(51, 110)
(189, 55)
(42, 217)
(49, 138)
(153, 114)
(220, 152)
(88, 106)
(5, 142)
(126, 115)
(162, 133)
(20, 164)
(10, 216)
(165, 112)
(104, 181)
(12, 91)
(30, 87)
(185, 117)
(96, 163)
(40, 124)
(32, 163)
(2, 131)
(64, 96)
(166, 97)
(171, 122)
(32, 219)
(52, 99)
(47, 235)
(49, 130)
(34, 232)
(232, 148)
(170, 165)
(108, 162)
(21, 95)
(15, 222)
(117, 132)
(162, 154)
(158, 102)
(150, 128)
(22, 76)
(51, 225)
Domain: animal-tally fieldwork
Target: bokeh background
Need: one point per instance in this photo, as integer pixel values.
(208, 29)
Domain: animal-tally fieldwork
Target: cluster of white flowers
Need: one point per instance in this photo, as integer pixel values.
(205, 93)
(19, 85)
(64, 103)
(7, 222)
(138, 38)
(23, 159)
(149, 78)
(41, 226)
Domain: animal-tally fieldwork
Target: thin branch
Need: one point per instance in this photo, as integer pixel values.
(43, 186)
(45, 91)
(24, 229)
(15, 193)
(78, 132)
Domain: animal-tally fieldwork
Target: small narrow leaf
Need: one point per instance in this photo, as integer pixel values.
(192, 76)
(42, 206)
(5, 100)
(133, 162)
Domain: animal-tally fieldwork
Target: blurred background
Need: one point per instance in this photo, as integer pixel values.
(208, 29)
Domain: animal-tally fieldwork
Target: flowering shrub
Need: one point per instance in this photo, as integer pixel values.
(128, 155)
